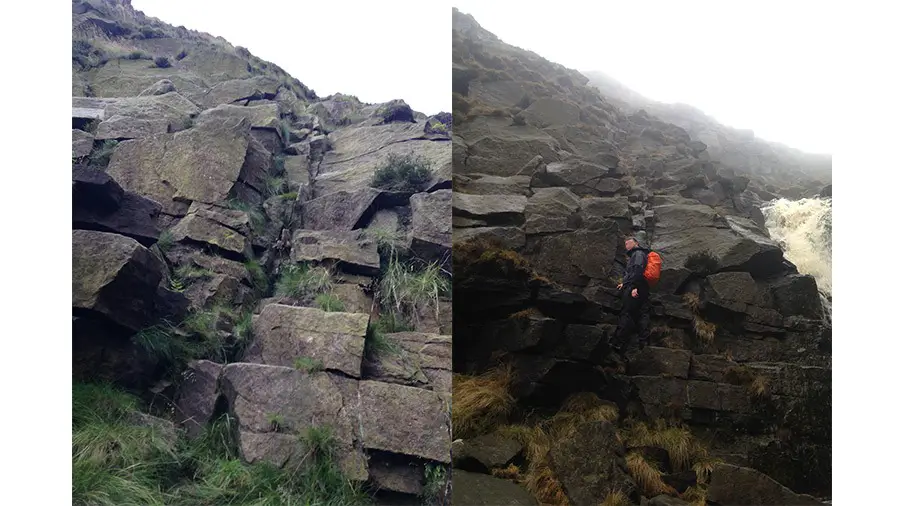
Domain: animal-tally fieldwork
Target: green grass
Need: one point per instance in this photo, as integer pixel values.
(189, 273)
(303, 281)
(166, 241)
(329, 302)
(101, 154)
(255, 214)
(388, 241)
(258, 277)
(117, 462)
(435, 484)
(408, 291)
(275, 186)
(308, 364)
(403, 173)
(378, 342)
(217, 333)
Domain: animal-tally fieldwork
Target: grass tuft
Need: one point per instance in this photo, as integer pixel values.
(329, 302)
(647, 475)
(403, 173)
(616, 498)
(308, 365)
(303, 281)
(436, 481)
(481, 402)
(409, 291)
(704, 330)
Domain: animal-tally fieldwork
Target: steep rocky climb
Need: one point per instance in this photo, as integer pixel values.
(731, 401)
(261, 277)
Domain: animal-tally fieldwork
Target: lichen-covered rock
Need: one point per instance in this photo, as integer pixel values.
(115, 276)
(283, 334)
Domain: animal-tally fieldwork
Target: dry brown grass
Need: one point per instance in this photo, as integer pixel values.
(704, 466)
(647, 475)
(759, 387)
(526, 313)
(616, 498)
(481, 402)
(692, 301)
(704, 330)
(539, 478)
(677, 440)
(695, 495)
(511, 472)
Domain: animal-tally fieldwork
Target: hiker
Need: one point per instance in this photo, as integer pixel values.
(641, 272)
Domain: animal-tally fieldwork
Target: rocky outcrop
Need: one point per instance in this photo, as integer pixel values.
(550, 177)
(231, 233)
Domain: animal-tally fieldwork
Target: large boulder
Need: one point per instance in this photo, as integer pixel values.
(115, 276)
(199, 164)
(82, 143)
(342, 210)
(284, 334)
(741, 486)
(476, 489)
(225, 229)
(420, 360)
(484, 453)
(352, 250)
(197, 396)
(405, 420)
(589, 463)
(574, 258)
(430, 236)
(274, 405)
(127, 127)
(492, 209)
(551, 210)
(240, 91)
(99, 203)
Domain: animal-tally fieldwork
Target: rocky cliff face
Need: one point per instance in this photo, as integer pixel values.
(247, 251)
(550, 175)
(775, 168)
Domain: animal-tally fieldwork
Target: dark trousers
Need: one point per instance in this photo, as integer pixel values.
(634, 319)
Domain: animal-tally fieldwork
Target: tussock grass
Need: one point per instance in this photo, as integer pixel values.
(539, 478)
(303, 281)
(692, 301)
(329, 302)
(616, 498)
(258, 277)
(677, 440)
(647, 475)
(378, 342)
(481, 402)
(388, 241)
(510, 472)
(255, 214)
(580, 408)
(116, 461)
(696, 496)
(704, 330)
(759, 387)
(165, 241)
(409, 291)
(526, 313)
(403, 173)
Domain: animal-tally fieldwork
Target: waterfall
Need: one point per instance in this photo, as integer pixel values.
(803, 229)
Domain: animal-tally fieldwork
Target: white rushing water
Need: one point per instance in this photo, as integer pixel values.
(803, 229)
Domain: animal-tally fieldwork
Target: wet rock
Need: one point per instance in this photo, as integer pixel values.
(477, 489)
(743, 486)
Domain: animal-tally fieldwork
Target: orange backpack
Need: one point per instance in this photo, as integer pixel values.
(653, 269)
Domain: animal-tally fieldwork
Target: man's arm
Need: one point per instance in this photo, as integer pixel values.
(637, 269)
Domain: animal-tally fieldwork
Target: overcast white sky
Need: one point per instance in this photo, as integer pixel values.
(766, 66)
(377, 51)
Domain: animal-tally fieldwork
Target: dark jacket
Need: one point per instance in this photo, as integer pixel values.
(634, 269)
